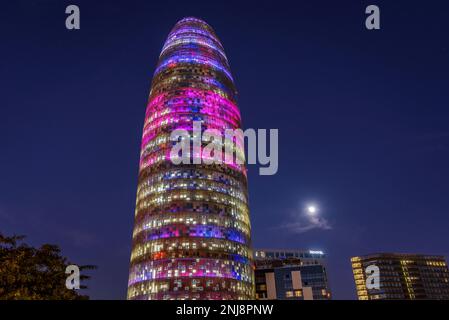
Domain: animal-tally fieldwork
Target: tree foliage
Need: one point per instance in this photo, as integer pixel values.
(28, 273)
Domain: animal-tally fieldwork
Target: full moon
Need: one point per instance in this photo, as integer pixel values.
(311, 209)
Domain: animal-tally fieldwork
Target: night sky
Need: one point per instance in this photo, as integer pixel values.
(363, 119)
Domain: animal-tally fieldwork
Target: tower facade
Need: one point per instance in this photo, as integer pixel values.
(191, 237)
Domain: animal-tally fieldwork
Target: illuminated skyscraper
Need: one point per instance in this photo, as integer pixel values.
(191, 236)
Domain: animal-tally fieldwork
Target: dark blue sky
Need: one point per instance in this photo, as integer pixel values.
(363, 121)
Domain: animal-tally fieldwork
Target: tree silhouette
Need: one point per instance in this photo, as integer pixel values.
(28, 273)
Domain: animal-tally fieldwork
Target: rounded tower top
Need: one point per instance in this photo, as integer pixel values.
(193, 45)
(188, 26)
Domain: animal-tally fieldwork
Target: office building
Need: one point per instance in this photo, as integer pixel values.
(401, 276)
(291, 275)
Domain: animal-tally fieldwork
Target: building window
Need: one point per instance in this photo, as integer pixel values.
(263, 287)
(298, 293)
(289, 294)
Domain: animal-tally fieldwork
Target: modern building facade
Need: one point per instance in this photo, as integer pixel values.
(191, 237)
(291, 275)
(401, 276)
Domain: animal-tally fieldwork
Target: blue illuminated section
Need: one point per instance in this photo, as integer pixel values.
(187, 41)
(200, 231)
(193, 59)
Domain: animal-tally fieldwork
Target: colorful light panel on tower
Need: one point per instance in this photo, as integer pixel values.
(191, 237)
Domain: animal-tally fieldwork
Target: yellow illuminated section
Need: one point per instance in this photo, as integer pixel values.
(359, 278)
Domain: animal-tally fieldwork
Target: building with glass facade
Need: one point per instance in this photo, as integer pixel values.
(291, 275)
(402, 276)
(191, 237)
